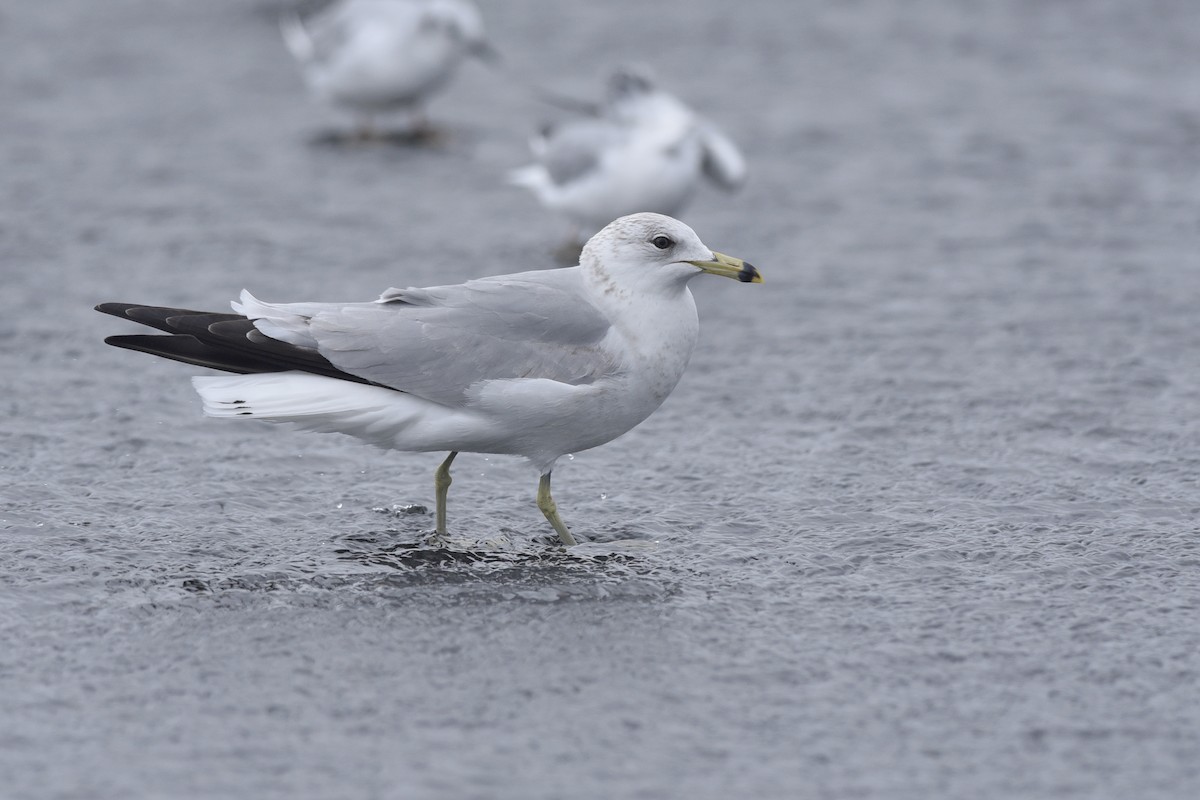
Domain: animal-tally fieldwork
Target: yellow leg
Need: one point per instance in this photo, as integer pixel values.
(546, 503)
(441, 484)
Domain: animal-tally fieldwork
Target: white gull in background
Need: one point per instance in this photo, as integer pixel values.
(374, 57)
(535, 364)
(642, 150)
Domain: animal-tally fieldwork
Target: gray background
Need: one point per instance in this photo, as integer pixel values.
(920, 521)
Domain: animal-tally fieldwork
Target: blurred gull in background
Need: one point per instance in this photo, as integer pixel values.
(536, 364)
(642, 150)
(374, 57)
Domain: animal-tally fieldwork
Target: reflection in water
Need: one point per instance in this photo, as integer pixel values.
(374, 564)
(509, 552)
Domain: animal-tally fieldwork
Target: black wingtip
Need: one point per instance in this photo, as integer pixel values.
(219, 341)
(116, 309)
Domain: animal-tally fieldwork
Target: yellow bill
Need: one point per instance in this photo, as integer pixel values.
(729, 267)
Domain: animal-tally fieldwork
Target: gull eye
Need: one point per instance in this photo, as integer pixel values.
(662, 242)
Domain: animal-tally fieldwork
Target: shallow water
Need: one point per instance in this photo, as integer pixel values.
(920, 521)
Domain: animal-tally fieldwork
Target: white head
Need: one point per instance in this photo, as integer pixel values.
(648, 252)
(634, 99)
(460, 20)
(630, 81)
(634, 92)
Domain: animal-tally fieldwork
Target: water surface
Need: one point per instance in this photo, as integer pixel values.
(920, 521)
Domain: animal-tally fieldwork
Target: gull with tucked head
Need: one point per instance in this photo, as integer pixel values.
(373, 57)
(535, 364)
(641, 150)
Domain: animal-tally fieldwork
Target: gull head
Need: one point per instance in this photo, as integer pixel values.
(634, 99)
(630, 80)
(460, 20)
(650, 251)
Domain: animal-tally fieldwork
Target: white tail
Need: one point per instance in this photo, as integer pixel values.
(314, 402)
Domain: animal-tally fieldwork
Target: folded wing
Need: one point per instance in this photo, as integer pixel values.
(439, 342)
(436, 343)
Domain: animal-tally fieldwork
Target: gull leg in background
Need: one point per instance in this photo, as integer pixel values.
(421, 128)
(365, 131)
(441, 485)
(546, 503)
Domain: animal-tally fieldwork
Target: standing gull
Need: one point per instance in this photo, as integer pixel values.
(535, 364)
(383, 56)
(642, 150)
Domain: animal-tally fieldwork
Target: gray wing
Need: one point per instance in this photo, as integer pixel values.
(723, 162)
(574, 150)
(437, 342)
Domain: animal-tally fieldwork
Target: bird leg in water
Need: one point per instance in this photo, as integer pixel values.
(546, 503)
(441, 485)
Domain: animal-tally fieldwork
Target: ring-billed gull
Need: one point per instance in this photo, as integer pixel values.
(379, 56)
(535, 364)
(643, 150)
